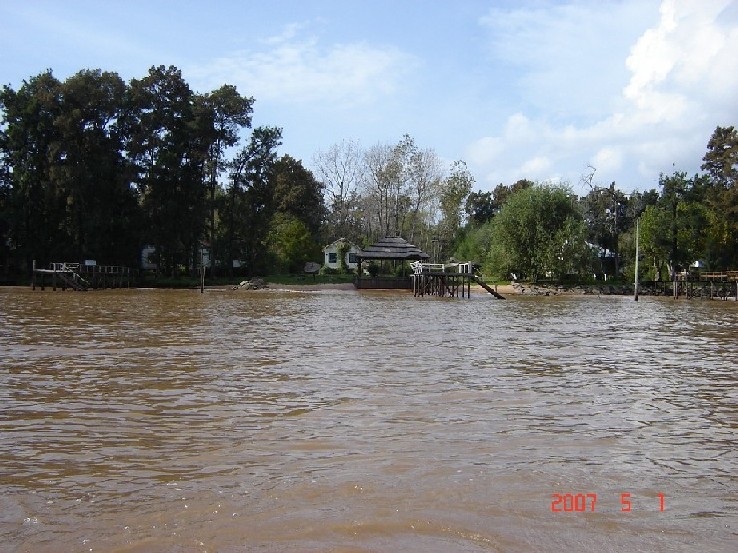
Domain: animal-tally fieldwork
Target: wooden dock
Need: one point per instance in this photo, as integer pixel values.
(81, 277)
(714, 285)
(446, 280)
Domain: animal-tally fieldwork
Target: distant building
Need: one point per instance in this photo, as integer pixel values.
(148, 257)
(332, 251)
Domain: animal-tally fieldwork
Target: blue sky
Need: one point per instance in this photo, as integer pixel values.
(527, 89)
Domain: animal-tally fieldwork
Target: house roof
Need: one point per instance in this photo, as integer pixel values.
(342, 240)
(393, 247)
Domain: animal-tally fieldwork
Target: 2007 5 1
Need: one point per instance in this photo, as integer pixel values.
(582, 502)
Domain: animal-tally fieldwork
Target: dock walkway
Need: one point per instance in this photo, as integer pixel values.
(82, 277)
(446, 280)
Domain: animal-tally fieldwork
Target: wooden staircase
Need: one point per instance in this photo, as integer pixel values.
(73, 280)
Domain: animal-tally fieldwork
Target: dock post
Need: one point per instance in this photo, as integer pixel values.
(33, 276)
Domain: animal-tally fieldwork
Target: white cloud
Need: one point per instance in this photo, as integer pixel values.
(679, 81)
(570, 53)
(608, 159)
(536, 165)
(292, 69)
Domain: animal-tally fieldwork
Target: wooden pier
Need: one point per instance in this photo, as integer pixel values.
(82, 277)
(446, 280)
(715, 285)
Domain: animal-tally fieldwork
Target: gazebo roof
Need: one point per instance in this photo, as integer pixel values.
(393, 247)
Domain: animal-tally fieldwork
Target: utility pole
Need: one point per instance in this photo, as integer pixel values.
(202, 270)
(637, 255)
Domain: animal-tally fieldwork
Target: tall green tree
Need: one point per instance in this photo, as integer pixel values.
(290, 243)
(100, 212)
(480, 207)
(250, 200)
(30, 152)
(299, 194)
(539, 230)
(721, 160)
(225, 114)
(721, 164)
(169, 146)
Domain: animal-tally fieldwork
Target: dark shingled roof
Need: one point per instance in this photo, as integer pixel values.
(393, 247)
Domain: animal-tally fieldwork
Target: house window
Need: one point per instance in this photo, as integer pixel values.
(332, 257)
(352, 257)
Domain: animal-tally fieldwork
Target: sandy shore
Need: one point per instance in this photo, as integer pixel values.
(312, 287)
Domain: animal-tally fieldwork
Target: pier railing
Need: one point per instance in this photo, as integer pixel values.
(462, 268)
(80, 276)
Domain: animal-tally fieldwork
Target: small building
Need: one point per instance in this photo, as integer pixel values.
(332, 251)
(396, 252)
(148, 258)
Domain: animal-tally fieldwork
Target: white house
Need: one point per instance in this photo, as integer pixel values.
(332, 251)
(148, 255)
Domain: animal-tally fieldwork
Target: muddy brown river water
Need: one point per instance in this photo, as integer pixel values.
(343, 421)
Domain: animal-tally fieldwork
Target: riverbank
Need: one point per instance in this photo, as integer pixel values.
(696, 289)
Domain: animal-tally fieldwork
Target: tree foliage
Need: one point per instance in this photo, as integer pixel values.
(453, 194)
(538, 232)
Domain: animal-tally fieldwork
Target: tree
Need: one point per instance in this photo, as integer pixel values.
(250, 200)
(225, 113)
(340, 170)
(169, 147)
(538, 231)
(423, 175)
(655, 246)
(400, 191)
(382, 172)
(475, 243)
(501, 192)
(290, 243)
(605, 210)
(721, 164)
(30, 151)
(480, 207)
(674, 230)
(298, 194)
(454, 191)
(721, 159)
(101, 214)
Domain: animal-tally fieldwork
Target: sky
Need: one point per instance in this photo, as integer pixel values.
(543, 90)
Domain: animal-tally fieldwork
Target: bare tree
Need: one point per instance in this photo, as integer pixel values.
(382, 174)
(340, 168)
(424, 178)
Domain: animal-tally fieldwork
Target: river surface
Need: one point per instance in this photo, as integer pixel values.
(342, 421)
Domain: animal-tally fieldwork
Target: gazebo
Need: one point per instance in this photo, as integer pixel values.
(390, 248)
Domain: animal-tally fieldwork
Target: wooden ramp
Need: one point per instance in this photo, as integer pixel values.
(490, 290)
